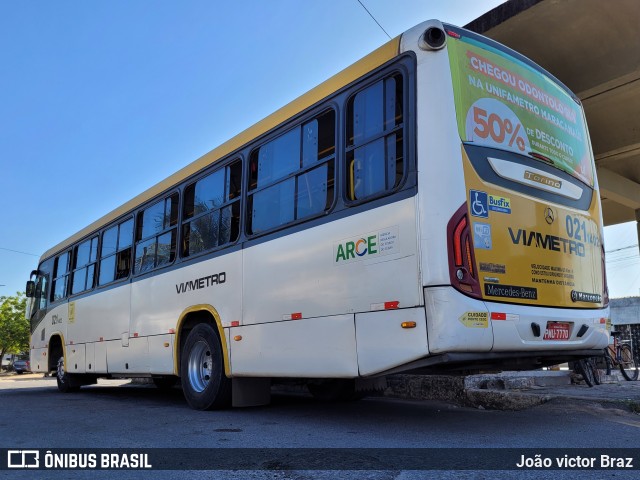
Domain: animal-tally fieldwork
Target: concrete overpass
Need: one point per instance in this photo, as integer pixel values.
(594, 48)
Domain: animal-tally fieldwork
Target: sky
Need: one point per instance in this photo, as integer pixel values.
(101, 100)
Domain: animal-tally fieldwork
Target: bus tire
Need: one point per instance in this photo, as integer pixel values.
(64, 379)
(204, 384)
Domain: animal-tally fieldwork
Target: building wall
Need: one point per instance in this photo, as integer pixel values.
(625, 311)
(625, 317)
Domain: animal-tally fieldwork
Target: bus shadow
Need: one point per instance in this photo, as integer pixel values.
(132, 393)
(174, 396)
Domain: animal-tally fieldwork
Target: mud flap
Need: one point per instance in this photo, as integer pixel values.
(250, 392)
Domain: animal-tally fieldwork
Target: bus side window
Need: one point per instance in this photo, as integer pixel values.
(292, 176)
(84, 266)
(375, 138)
(61, 277)
(211, 210)
(42, 284)
(125, 239)
(41, 292)
(156, 233)
(115, 253)
(41, 297)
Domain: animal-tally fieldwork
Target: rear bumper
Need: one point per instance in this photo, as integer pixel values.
(507, 328)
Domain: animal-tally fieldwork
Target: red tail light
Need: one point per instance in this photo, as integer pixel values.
(462, 271)
(457, 240)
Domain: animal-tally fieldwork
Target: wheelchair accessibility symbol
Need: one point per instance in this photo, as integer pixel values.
(479, 204)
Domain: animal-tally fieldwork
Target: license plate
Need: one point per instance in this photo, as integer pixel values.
(557, 331)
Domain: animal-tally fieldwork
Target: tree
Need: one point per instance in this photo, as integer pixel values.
(14, 327)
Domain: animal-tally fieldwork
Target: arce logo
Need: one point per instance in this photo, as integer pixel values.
(360, 247)
(372, 244)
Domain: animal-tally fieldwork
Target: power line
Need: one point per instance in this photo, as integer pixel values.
(374, 19)
(18, 251)
(623, 248)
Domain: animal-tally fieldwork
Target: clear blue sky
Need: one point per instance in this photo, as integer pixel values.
(101, 100)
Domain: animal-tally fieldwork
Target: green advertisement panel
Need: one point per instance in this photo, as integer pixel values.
(504, 103)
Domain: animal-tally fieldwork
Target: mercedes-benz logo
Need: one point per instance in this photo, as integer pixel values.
(549, 216)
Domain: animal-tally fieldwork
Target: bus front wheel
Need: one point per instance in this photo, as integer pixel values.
(64, 379)
(204, 383)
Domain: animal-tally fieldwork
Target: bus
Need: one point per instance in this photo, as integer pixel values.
(432, 208)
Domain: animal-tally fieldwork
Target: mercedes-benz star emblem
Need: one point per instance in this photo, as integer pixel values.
(549, 216)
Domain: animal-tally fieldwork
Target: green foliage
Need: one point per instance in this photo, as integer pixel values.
(14, 327)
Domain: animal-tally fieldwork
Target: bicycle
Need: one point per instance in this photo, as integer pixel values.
(590, 374)
(620, 354)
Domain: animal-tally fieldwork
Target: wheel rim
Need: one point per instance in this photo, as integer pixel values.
(200, 366)
(60, 370)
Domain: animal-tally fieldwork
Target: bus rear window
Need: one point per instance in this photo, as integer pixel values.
(503, 102)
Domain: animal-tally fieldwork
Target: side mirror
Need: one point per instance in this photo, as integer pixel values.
(31, 289)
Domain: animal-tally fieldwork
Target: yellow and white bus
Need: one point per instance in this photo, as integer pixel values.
(434, 207)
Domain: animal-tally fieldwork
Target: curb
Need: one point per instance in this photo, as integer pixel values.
(509, 390)
(495, 392)
(504, 400)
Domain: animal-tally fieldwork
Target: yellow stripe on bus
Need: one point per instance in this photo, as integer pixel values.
(223, 338)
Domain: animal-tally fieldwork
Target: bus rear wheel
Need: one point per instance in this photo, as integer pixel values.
(204, 383)
(64, 379)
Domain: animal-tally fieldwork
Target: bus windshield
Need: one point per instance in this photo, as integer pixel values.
(503, 101)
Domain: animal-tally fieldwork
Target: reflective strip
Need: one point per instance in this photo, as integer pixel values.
(385, 306)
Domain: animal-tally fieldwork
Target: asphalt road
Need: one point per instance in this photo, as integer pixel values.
(114, 414)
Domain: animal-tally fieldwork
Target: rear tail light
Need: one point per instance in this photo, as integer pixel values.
(462, 271)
